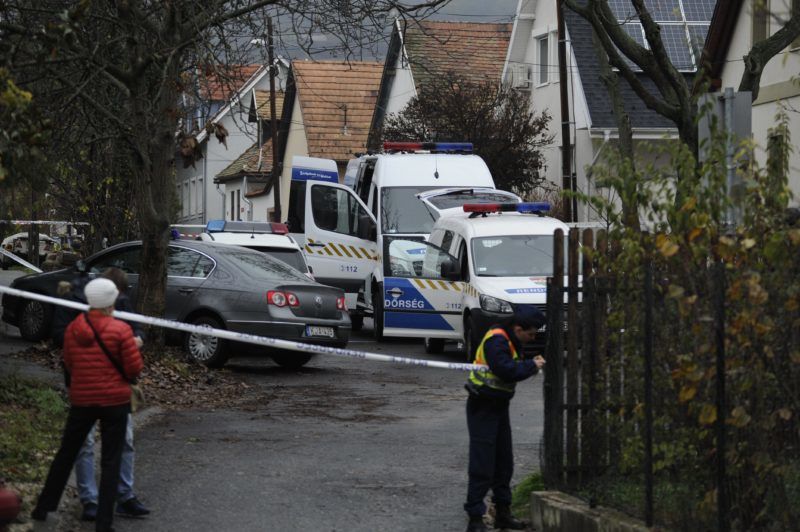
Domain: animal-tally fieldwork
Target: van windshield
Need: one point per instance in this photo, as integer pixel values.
(514, 256)
(402, 212)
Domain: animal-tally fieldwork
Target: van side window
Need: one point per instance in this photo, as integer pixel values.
(447, 239)
(365, 183)
(463, 260)
(336, 210)
(297, 207)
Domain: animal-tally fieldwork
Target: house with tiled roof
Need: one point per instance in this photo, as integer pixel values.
(327, 111)
(735, 28)
(532, 66)
(419, 50)
(211, 142)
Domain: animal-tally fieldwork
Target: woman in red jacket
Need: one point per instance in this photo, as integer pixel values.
(102, 358)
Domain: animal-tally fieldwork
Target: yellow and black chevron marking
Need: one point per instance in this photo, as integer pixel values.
(433, 284)
(333, 249)
(470, 290)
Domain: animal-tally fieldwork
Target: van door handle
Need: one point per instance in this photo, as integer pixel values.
(316, 244)
(185, 290)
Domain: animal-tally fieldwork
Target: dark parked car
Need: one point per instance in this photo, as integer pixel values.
(219, 285)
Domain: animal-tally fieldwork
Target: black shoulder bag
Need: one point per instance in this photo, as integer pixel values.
(137, 395)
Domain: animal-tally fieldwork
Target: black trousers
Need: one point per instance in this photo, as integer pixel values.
(491, 459)
(113, 422)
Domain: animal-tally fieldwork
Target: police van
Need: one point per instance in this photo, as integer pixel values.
(479, 261)
(267, 237)
(346, 230)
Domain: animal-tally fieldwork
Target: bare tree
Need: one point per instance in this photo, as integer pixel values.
(497, 120)
(131, 60)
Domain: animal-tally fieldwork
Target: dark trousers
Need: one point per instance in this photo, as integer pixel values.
(113, 422)
(491, 459)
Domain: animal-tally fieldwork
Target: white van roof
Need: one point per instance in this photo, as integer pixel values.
(429, 169)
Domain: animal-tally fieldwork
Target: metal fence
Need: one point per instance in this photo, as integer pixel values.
(620, 431)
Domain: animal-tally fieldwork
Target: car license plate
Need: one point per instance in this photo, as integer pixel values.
(313, 330)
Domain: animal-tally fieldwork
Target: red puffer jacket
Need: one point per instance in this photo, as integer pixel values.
(94, 379)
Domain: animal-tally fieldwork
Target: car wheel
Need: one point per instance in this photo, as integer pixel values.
(291, 359)
(208, 350)
(34, 320)
(377, 313)
(356, 322)
(470, 342)
(434, 346)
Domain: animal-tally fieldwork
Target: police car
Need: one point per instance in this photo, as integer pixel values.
(477, 263)
(268, 237)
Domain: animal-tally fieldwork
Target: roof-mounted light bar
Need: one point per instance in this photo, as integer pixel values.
(527, 208)
(218, 226)
(459, 147)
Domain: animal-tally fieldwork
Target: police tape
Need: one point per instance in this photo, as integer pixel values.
(265, 341)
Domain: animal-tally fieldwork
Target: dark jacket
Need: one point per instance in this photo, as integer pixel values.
(497, 352)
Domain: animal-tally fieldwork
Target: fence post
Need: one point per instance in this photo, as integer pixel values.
(648, 389)
(573, 369)
(589, 419)
(601, 287)
(719, 303)
(553, 376)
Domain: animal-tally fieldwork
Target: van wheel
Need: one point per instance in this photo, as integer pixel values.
(434, 346)
(34, 320)
(377, 312)
(470, 342)
(208, 350)
(356, 322)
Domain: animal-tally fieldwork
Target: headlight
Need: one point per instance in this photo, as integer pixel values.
(492, 304)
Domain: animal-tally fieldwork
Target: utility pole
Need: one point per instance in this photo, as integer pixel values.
(567, 181)
(275, 166)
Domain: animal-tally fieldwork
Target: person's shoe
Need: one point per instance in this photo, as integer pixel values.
(504, 519)
(476, 524)
(132, 508)
(89, 512)
(38, 515)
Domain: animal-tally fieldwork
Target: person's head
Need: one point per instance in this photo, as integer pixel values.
(526, 320)
(101, 293)
(119, 277)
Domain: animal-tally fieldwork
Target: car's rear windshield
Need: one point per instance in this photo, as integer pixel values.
(262, 266)
(292, 257)
(514, 255)
(459, 198)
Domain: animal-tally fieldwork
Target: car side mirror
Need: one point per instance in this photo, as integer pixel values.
(366, 228)
(450, 270)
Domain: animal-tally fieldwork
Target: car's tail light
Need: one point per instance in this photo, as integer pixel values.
(340, 304)
(282, 299)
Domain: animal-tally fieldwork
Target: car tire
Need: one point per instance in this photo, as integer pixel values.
(470, 341)
(377, 312)
(291, 359)
(208, 350)
(35, 319)
(356, 322)
(434, 346)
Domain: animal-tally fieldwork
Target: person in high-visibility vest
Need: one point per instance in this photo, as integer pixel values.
(491, 460)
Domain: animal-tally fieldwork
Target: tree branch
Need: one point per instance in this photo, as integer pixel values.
(758, 57)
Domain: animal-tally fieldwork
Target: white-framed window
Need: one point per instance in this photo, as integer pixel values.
(760, 29)
(200, 194)
(187, 198)
(543, 59)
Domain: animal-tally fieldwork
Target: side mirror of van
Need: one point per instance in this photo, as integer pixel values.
(450, 270)
(366, 228)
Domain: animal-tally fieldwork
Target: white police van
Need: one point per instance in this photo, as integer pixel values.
(480, 260)
(347, 231)
(268, 237)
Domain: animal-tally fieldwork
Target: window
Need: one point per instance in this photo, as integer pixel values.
(413, 258)
(296, 219)
(233, 205)
(337, 210)
(182, 262)
(128, 260)
(446, 240)
(543, 59)
(514, 256)
(760, 20)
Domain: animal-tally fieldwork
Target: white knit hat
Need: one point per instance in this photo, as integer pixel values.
(101, 293)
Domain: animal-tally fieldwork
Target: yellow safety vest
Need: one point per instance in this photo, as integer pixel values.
(485, 377)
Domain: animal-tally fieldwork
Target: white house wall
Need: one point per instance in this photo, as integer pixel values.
(402, 89)
(779, 86)
(296, 144)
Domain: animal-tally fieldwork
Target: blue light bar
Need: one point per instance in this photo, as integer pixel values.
(534, 207)
(461, 147)
(214, 226)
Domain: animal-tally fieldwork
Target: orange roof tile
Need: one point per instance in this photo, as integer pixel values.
(472, 50)
(337, 101)
(263, 107)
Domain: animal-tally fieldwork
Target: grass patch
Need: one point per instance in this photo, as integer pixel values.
(521, 495)
(32, 417)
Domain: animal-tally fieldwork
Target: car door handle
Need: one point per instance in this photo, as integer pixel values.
(316, 244)
(185, 290)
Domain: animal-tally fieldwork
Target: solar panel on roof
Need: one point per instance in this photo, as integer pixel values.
(674, 39)
(697, 36)
(698, 11)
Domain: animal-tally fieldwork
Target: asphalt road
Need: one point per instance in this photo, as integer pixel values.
(339, 445)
